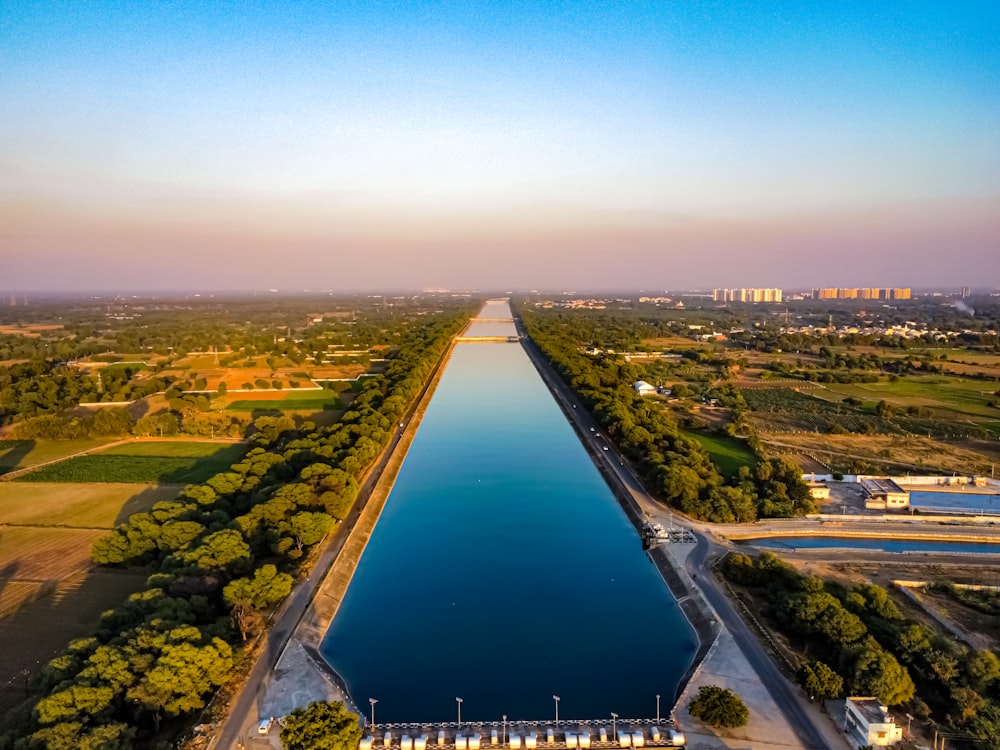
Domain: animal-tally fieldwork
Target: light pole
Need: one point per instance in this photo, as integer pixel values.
(657, 709)
(373, 701)
(614, 727)
(459, 702)
(909, 718)
(556, 699)
(504, 742)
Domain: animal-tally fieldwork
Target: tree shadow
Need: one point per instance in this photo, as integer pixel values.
(141, 502)
(13, 455)
(40, 630)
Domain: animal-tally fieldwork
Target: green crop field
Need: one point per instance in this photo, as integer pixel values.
(21, 454)
(728, 454)
(164, 468)
(291, 401)
(171, 448)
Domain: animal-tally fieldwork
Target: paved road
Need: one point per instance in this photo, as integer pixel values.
(784, 695)
(290, 613)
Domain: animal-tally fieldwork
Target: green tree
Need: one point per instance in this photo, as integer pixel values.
(321, 726)
(249, 595)
(181, 676)
(719, 707)
(820, 681)
(874, 671)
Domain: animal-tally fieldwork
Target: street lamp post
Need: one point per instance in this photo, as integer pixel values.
(504, 742)
(614, 727)
(657, 709)
(459, 702)
(556, 699)
(373, 701)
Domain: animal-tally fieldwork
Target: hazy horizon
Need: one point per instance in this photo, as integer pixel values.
(591, 146)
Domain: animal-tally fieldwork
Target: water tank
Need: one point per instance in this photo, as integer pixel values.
(654, 734)
(440, 738)
(515, 742)
(365, 744)
(570, 740)
(420, 743)
(624, 738)
(387, 739)
(550, 736)
(677, 739)
(531, 741)
(602, 732)
(584, 740)
(460, 742)
(637, 738)
(474, 742)
(494, 739)
(406, 742)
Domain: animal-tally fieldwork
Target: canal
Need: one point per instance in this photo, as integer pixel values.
(873, 543)
(503, 571)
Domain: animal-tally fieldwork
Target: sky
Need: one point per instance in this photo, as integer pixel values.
(556, 145)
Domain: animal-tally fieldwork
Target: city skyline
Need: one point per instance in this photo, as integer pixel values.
(481, 145)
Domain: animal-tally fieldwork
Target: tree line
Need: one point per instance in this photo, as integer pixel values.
(221, 554)
(861, 643)
(675, 468)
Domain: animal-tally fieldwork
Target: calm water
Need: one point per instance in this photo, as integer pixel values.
(503, 570)
(989, 504)
(886, 545)
(490, 329)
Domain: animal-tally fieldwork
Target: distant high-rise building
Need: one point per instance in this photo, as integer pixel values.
(746, 294)
(966, 292)
(861, 293)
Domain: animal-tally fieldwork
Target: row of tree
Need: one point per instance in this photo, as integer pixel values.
(223, 553)
(674, 466)
(862, 643)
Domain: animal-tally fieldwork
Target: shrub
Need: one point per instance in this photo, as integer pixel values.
(719, 707)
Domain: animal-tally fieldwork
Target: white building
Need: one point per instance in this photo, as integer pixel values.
(644, 389)
(869, 723)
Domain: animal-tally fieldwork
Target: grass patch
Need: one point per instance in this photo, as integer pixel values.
(728, 454)
(172, 448)
(142, 469)
(91, 505)
(292, 401)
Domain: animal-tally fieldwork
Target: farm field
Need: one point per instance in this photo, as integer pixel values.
(675, 342)
(36, 631)
(968, 398)
(312, 400)
(728, 454)
(91, 506)
(21, 454)
(161, 462)
(891, 453)
(237, 377)
(44, 554)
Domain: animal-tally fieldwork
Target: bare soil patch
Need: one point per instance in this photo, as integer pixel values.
(891, 452)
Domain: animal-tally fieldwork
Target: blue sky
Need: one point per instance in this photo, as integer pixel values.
(499, 144)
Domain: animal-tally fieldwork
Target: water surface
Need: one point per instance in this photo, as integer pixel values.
(503, 571)
(972, 501)
(885, 545)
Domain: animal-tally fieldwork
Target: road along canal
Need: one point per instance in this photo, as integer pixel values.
(503, 572)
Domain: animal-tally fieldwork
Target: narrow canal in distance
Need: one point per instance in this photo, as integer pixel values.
(503, 570)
